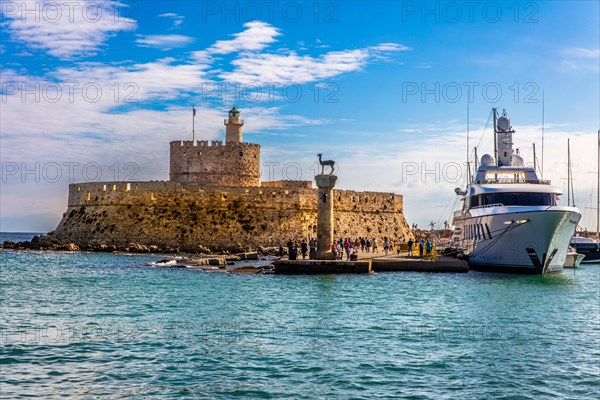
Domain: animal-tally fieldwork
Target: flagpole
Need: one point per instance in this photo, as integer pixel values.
(193, 123)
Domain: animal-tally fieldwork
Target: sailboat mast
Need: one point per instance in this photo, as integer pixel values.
(598, 192)
(569, 172)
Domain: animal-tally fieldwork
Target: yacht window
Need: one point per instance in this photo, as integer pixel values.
(519, 199)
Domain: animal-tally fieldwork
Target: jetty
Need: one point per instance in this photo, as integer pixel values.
(369, 262)
(419, 264)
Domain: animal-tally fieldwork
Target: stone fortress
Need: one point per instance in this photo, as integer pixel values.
(214, 199)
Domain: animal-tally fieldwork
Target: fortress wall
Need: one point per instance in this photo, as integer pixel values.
(368, 201)
(234, 164)
(187, 215)
(290, 184)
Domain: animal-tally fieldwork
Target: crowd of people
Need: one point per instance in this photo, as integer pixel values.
(306, 248)
(348, 248)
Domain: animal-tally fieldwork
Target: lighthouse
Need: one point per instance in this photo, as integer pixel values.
(233, 127)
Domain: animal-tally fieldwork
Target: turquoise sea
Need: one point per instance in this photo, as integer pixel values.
(105, 326)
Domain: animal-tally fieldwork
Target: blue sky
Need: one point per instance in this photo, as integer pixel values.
(381, 87)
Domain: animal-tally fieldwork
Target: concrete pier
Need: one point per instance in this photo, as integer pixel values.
(417, 264)
(325, 183)
(367, 265)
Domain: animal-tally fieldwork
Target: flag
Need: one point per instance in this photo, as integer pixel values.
(194, 110)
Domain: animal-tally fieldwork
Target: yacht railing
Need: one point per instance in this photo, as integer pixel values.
(511, 180)
(488, 206)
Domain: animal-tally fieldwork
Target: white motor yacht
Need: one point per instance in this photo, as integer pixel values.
(511, 220)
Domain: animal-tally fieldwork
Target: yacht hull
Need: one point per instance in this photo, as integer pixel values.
(524, 242)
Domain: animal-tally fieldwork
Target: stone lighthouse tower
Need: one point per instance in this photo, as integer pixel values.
(233, 127)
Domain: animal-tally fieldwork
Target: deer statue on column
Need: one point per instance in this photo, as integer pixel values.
(328, 163)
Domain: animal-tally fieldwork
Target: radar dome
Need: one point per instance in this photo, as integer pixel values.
(503, 123)
(517, 160)
(487, 160)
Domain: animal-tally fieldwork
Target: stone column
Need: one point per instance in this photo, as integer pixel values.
(325, 183)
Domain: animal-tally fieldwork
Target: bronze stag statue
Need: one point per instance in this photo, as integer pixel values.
(329, 163)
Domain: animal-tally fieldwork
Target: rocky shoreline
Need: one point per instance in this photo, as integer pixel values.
(202, 259)
(50, 243)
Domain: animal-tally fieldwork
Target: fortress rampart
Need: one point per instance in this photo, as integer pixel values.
(288, 184)
(188, 215)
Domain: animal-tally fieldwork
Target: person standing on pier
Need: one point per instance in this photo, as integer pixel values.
(410, 246)
(334, 250)
(304, 248)
(348, 247)
(339, 251)
(421, 245)
(428, 247)
(312, 244)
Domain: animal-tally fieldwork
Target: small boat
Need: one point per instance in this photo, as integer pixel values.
(588, 247)
(573, 258)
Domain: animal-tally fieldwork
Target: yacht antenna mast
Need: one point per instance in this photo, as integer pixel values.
(468, 148)
(495, 140)
(543, 108)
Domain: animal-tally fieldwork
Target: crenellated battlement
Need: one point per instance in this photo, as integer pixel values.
(290, 184)
(206, 143)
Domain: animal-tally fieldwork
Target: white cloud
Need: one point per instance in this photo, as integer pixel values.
(581, 52)
(580, 59)
(291, 67)
(165, 42)
(282, 65)
(275, 68)
(175, 18)
(162, 79)
(257, 36)
(65, 30)
(391, 47)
